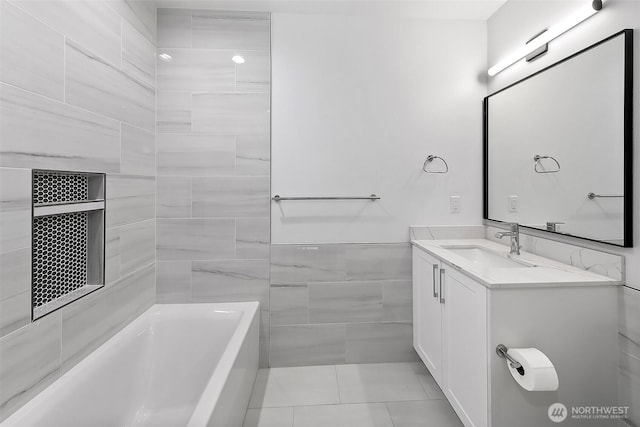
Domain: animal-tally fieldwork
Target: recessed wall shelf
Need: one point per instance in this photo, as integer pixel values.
(68, 238)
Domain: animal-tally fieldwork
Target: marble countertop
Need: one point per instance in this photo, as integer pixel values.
(545, 273)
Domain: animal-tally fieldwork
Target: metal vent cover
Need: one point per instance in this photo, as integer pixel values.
(60, 251)
(59, 187)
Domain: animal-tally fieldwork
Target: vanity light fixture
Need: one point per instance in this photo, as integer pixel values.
(554, 31)
(237, 59)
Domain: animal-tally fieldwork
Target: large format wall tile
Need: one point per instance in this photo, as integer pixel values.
(345, 302)
(363, 288)
(30, 362)
(92, 23)
(301, 345)
(173, 282)
(195, 155)
(255, 74)
(230, 281)
(112, 255)
(129, 199)
(137, 246)
(15, 297)
(231, 30)
(173, 112)
(99, 86)
(213, 160)
(141, 14)
(37, 132)
(174, 28)
(15, 312)
(629, 351)
(103, 54)
(289, 304)
(378, 261)
(307, 263)
(32, 54)
(231, 113)
(174, 197)
(92, 320)
(231, 197)
(397, 300)
(253, 238)
(15, 209)
(380, 342)
(253, 156)
(138, 56)
(197, 71)
(138, 151)
(195, 239)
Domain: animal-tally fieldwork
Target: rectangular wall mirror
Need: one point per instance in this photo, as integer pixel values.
(557, 153)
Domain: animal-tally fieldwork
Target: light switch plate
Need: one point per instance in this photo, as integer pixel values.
(512, 204)
(454, 203)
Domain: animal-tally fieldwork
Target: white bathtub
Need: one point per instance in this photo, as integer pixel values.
(176, 365)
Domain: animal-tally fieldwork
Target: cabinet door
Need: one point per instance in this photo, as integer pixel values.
(465, 347)
(427, 312)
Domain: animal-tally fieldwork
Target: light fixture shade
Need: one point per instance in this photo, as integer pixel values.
(554, 31)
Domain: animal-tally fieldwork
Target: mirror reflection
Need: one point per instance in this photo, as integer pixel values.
(556, 144)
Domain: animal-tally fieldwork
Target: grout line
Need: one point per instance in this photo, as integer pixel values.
(73, 106)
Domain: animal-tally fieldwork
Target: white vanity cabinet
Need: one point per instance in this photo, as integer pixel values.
(450, 334)
(427, 312)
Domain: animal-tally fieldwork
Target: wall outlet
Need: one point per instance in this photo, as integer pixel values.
(513, 204)
(454, 203)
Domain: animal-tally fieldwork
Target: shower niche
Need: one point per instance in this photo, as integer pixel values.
(67, 238)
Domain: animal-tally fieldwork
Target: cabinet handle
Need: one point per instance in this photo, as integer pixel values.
(435, 269)
(441, 285)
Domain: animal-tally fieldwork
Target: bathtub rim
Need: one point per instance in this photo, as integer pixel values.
(215, 385)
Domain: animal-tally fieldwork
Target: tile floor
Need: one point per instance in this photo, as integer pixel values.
(366, 395)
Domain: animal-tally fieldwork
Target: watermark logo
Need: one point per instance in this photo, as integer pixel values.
(557, 412)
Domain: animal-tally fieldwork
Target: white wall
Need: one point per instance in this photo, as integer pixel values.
(358, 103)
(517, 21)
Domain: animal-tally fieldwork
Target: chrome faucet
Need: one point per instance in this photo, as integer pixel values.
(514, 233)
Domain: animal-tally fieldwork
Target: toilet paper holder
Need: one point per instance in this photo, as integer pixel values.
(501, 350)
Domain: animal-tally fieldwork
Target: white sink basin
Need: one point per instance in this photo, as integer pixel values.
(483, 257)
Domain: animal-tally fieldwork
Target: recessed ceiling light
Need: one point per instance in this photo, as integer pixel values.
(165, 57)
(238, 59)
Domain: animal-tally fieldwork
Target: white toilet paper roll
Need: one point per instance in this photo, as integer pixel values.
(539, 373)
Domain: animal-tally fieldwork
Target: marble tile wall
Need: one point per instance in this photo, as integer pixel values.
(213, 159)
(77, 92)
(629, 352)
(340, 303)
(600, 262)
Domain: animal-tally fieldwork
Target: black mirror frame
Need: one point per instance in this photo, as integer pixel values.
(628, 141)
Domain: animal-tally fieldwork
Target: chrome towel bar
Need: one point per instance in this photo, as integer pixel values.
(278, 198)
(592, 196)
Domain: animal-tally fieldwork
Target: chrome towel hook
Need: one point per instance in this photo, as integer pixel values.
(431, 158)
(537, 159)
